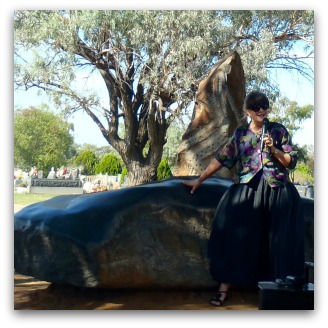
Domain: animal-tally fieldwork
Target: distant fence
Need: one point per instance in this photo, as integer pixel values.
(105, 179)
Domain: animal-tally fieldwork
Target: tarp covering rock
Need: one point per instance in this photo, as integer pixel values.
(149, 236)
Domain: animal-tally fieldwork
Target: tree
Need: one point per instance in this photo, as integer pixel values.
(163, 170)
(151, 63)
(88, 160)
(123, 175)
(99, 152)
(110, 164)
(304, 171)
(310, 159)
(290, 114)
(174, 137)
(41, 139)
(303, 175)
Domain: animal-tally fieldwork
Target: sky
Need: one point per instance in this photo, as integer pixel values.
(302, 91)
(166, 319)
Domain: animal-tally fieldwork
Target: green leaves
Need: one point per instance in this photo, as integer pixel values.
(290, 114)
(110, 164)
(171, 49)
(163, 170)
(88, 160)
(41, 139)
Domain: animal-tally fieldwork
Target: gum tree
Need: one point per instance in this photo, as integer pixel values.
(141, 69)
(41, 139)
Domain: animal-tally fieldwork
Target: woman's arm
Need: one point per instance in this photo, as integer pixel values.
(212, 168)
(287, 156)
(282, 157)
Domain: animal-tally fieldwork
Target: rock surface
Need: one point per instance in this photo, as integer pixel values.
(149, 236)
(217, 112)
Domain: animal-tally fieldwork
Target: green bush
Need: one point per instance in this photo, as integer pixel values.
(163, 170)
(124, 174)
(110, 164)
(88, 161)
(303, 175)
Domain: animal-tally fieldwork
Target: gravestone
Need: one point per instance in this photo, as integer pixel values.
(51, 174)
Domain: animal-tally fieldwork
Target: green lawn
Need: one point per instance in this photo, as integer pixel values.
(27, 199)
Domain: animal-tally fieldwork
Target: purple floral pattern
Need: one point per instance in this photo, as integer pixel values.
(243, 152)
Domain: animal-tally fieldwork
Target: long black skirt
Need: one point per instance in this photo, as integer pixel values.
(257, 234)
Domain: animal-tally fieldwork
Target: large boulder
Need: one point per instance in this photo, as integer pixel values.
(149, 236)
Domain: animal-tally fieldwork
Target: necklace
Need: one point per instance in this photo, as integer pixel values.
(256, 131)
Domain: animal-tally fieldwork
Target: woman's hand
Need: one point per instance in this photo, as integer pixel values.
(268, 141)
(193, 184)
(213, 167)
(282, 157)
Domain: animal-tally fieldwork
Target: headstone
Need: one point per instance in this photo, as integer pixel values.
(52, 174)
(75, 173)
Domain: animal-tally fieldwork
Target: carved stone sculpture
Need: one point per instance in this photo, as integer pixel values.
(217, 112)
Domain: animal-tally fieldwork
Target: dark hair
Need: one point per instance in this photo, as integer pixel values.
(255, 98)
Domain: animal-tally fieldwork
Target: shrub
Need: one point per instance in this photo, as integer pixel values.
(303, 175)
(124, 174)
(163, 170)
(88, 161)
(110, 164)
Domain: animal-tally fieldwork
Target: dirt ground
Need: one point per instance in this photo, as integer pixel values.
(32, 294)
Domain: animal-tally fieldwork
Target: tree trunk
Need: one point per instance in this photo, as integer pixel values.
(140, 174)
(152, 129)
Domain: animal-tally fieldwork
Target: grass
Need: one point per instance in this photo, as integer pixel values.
(27, 199)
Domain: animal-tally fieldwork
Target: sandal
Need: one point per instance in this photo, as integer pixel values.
(217, 299)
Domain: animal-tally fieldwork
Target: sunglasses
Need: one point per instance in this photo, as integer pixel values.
(256, 108)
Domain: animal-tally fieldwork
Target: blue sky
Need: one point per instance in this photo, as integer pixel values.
(302, 91)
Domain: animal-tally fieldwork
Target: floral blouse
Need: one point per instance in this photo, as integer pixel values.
(243, 151)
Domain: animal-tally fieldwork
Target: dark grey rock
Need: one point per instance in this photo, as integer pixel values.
(149, 236)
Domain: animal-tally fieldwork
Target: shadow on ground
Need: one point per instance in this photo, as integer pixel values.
(32, 294)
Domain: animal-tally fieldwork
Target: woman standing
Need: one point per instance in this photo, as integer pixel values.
(257, 232)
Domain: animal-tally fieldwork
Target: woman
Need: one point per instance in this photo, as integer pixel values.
(257, 232)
